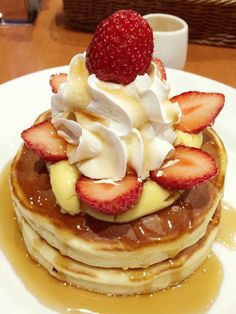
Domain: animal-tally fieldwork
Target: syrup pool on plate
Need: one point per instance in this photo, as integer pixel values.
(191, 296)
(227, 232)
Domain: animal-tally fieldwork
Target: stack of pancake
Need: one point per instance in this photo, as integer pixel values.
(150, 253)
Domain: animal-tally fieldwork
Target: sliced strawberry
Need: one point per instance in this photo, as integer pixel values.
(160, 67)
(110, 198)
(187, 167)
(42, 138)
(56, 80)
(199, 110)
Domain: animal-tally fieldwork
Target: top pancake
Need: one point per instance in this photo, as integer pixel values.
(171, 229)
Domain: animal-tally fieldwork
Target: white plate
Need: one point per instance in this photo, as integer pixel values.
(24, 98)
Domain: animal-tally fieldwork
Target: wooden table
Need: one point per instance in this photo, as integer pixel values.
(25, 49)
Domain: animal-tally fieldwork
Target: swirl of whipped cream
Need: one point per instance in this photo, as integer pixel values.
(109, 127)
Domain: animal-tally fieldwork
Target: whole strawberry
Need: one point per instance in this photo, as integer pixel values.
(121, 48)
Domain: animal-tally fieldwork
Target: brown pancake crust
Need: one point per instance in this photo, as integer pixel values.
(31, 185)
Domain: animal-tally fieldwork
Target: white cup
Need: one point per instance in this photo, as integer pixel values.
(170, 35)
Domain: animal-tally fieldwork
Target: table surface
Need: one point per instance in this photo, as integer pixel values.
(47, 43)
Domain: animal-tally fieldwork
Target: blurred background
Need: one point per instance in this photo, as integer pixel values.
(18, 11)
(37, 34)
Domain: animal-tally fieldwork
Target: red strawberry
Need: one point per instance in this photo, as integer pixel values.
(186, 168)
(111, 199)
(199, 110)
(44, 141)
(121, 48)
(56, 80)
(160, 67)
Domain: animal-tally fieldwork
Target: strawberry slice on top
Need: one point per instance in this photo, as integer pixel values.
(42, 138)
(56, 80)
(187, 167)
(199, 110)
(160, 68)
(110, 198)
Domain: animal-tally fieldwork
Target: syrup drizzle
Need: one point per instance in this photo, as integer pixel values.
(191, 296)
(227, 233)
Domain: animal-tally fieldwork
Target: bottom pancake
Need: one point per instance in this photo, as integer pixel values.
(115, 280)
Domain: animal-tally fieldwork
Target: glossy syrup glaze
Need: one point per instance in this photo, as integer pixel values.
(191, 297)
(227, 233)
(183, 216)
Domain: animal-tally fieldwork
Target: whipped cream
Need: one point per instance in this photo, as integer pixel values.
(110, 127)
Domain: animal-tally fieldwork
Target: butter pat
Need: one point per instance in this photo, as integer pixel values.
(63, 177)
(188, 139)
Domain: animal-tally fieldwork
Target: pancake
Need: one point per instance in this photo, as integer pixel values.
(143, 242)
(114, 280)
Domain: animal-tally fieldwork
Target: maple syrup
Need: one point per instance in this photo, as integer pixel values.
(191, 296)
(227, 232)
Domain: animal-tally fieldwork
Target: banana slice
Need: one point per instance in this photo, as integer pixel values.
(63, 177)
(153, 198)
